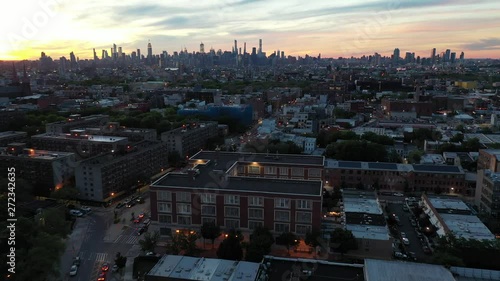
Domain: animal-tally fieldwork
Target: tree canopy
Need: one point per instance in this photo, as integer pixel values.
(260, 244)
(344, 240)
(230, 248)
(211, 231)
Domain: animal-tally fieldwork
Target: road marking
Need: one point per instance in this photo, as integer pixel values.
(101, 257)
(118, 238)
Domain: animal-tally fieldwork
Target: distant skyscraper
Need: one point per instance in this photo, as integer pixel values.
(395, 57)
(433, 56)
(72, 60)
(95, 55)
(447, 55)
(119, 52)
(282, 54)
(236, 46)
(462, 57)
(114, 53)
(150, 53)
(62, 65)
(260, 47)
(202, 48)
(139, 54)
(453, 57)
(244, 48)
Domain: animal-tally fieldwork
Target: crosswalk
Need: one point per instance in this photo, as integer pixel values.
(127, 239)
(92, 256)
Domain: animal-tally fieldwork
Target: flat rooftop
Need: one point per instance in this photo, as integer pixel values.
(92, 138)
(228, 158)
(383, 166)
(217, 180)
(467, 226)
(12, 133)
(374, 232)
(36, 154)
(447, 203)
(192, 268)
(474, 274)
(383, 270)
(277, 268)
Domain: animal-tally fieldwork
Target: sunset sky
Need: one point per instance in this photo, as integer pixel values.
(297, 27)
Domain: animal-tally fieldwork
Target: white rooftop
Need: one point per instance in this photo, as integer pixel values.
(362, 205)
(191, 268)
(448, 203)
(382, 270)
(369, 231)
(467, 226)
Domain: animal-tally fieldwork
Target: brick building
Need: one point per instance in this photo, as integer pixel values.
(241, 191)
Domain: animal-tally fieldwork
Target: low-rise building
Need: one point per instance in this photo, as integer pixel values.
(450, 215)
(364, 217)
(76, 121)
(183, 268)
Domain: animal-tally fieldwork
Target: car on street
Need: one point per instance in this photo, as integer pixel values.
(413, 223)
(73, 270)
(399, 194)
(102, 277)
(131, 204)
(76, 261)
(146, 222)
(105, 267)
(138, 219)
(403, 234)
(141, 230)
(114, 268)
(120, 205)
(412, 255)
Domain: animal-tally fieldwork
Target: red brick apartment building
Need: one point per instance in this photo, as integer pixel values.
(397, 177)
(241, 191)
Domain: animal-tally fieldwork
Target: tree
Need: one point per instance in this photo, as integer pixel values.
(313, 238)
(173, 158)
(210, 230)
(288, 239)
(149, 242)
(260, 244)
(230, 248)
(344, 239)
(415, 156)
(120, 260)
(53, 221)
(66, 194)
(184, 241)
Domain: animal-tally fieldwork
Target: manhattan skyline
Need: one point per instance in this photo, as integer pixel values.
(58, 27)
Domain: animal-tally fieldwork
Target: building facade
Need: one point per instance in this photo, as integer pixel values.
(104, 177)
(45, 170)
(241, 191)
(76, 121)
(12, 136)
(190, 138)
(488, 195)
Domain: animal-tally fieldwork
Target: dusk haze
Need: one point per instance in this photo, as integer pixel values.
(330, 28)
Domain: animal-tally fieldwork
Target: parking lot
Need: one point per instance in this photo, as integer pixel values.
(416, 240)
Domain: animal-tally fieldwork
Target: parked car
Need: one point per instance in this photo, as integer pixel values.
(403, 234)
(85, 209)
(427, 250)
(406, 241)
(114, 268)
(412, 256)
(399, 194)
(76, 261)
(146, 222)
(400, 255)
(131, 204)
(73, 271)
(75, 213)
(120, 205)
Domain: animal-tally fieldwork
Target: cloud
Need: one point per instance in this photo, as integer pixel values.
(484, 44)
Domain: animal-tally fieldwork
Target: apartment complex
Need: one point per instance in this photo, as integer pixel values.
(104, 177)
(78, 142)
(241, 191)
(190, 138)
(114, 129)
(76, 121)
(46, 170)
(397, 177)
(488, 193)
(12, 136)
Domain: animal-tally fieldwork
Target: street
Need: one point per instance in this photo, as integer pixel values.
(96, 240)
